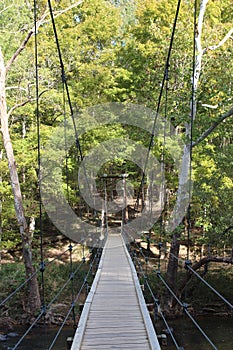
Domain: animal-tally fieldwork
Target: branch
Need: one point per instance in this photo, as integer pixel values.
(5, 8)
(207, 259)
(24, 103)
(209, 106)
(19, 50)
(40, 22)
(58, 13)
(213, 126)
(19, 105)
(227, 230)
(25, 41)
(226, 37)
(16, 88)
(199, 264)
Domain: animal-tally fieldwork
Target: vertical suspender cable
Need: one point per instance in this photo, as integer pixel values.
(65, 139)
(106, 203)
(77, 142)
(68, 199)
(159, 102)
(72, 284)
(163, 190)
(42, 264)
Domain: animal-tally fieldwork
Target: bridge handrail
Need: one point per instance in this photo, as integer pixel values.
(85, 312)
(152, 337)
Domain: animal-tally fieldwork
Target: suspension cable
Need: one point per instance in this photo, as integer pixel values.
(73, 304)
(66, 147)
(66, 87)
(64, 79)
(29, 329)
(65, 285)
(43, 310)
(163, 190)
(156, 301)
(45, 263)
(70, 248)
(151, 144)
(105, 204)
(184, 306)
(60, 255)
(187, 265)
(70, 279)
(3, 302)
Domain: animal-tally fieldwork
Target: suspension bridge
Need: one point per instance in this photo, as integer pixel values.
(115, 315)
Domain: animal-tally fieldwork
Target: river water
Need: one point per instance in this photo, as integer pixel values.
(40, 338)
(220, 330)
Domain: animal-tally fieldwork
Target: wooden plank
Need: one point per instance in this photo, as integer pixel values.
(113, 318)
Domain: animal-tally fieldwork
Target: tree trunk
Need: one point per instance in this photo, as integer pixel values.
(167, 300)
(34, 296)
(1, 156)
(184, 187)
(173, 262)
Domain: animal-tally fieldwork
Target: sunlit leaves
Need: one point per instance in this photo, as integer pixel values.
(116, 51)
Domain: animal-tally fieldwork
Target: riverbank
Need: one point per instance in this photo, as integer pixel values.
(58, 288)
(219, 329)
(200, 299)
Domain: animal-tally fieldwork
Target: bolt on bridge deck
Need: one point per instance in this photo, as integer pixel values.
(115, 315)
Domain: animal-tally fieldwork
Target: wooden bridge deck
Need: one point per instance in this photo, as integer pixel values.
(115, 315)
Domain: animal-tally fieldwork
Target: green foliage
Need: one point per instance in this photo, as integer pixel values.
(115, 51)
(213, 185)
(55, 276)
(218, 278)
(15, 19)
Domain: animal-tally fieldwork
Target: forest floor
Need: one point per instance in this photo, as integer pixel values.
(201, 300)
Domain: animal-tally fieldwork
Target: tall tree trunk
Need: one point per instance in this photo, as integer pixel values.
(184, 188)
(173, 261)
(182, 201)
(1, 156)
(26, 236)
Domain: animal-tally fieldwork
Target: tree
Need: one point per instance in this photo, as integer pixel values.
(26, 235)
(115, 51)
(145, 46)
(19, 44)
(183, 179)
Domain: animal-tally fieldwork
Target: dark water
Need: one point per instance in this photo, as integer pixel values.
(40, 338)
(220, 330)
